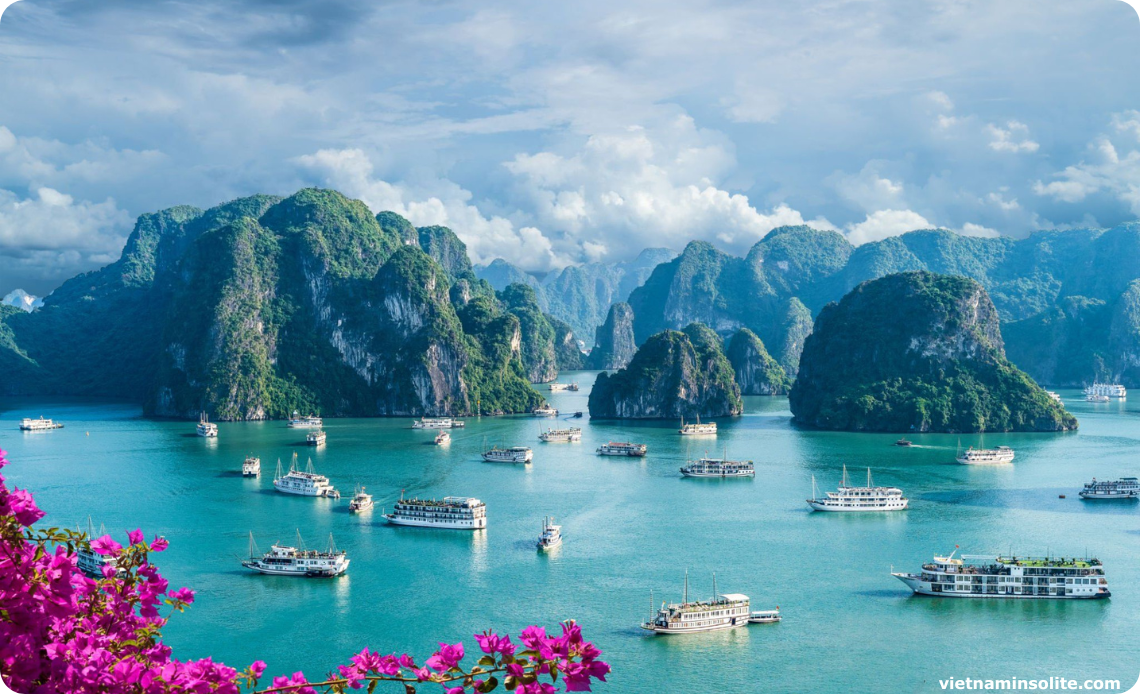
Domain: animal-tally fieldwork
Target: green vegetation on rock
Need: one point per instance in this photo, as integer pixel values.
(757, 373)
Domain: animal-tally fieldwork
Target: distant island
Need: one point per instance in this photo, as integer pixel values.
(917, 351)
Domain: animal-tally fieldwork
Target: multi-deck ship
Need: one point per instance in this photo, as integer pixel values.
(206, 427)
(514, 454)
(303, 483)
(986, 456)
(723, 611)
(1009, 577)
(1123, 488)
(40, 424)
(718, 467)
(452, 512)
(561, 435)
(316, 438)
(559, 387)
(545, 411)
(858, 499)
(1112, 390)
(551, 536)
(633, 450)
(438, 423)
(698, 429)
(88, 560)
(282, 560)
(251, 467)
(298, 422)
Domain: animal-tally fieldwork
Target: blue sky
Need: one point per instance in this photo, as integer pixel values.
(554, 133)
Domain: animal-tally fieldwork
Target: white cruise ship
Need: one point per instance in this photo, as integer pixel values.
(858, 499)
(1112, 390)
(551, 536)
(298, 422)
(1009, 577)
(697, 429)
(438, 423)
(716, 467)
(723, 611)
(545, 411)
(87, 560)
(41, 424)
(452, 513)
(251, 467)
(559, 387)
(303, 483)
(316, 438)
(1123, 488)
(206, 427)
(282, 560)
(561, 435)
(514, 454)
(986, 456)
(361, 501)
(633, 450)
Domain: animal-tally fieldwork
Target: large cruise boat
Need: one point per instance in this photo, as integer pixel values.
(41, 424)
(88, 560)
(633, 450)
(206, 427)
(438, 423)
(985, 456)
(1123, 488)
(561, 435)
(303, 483)
(299, 422)
(559, 387)
(723, 611)
(452, 512)
(858, 499)
(514, 454)
(698, 429)
(719, 467)
(251, 467)
(282, 560)
(1009, 577)
(1112, 390)
(545, 411)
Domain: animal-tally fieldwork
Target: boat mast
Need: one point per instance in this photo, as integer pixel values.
(685, 599)
(844, 475)
(869, 478)
(814, 493)
(277, 476)
(714, 587)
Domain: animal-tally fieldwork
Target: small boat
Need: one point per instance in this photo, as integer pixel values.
(251, 467)
(561, 435)
(514, 454)
(764, 616)
(559, 387)
(633, 450)
(316, 438)
(545, 411)
(551, 535)
(985, 456)
(442, 438)
(1094, 397)
(438, 423)
(41, 424)
(207, 428)
(298, 422)
(904, 443)
(577, 415)
(361, 501)
(698, 429)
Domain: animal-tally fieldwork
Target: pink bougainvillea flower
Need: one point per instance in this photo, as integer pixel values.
(105, 545)
(159, 544)
(135, 536)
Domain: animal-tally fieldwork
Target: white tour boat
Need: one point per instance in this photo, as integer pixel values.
(452, 513)
(303, 483)
(723, 611)
(1091, 397)
(361, 501)
(251, 467)
(551, 535)
(985, 456)
(633, 450)
(545, 411)
(86, 559)
(316, 438)
(282, 560)
(442, 438)
(698, 429)
(206, 427)
(299, 422)
(514, 454)
(1009, 577)
(765, 616)
(438, 423)
(561, 435)
(858, 499)
(41, 424)
(718, 467)
(1123, 488)
(1111, 390)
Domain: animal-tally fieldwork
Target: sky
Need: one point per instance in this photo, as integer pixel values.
(551, 134)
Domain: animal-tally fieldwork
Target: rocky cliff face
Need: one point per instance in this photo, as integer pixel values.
(757, 373)
(674, 374)
(614, 345)
(917, 352)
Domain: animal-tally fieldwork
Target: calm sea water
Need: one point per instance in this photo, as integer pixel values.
(630, 526)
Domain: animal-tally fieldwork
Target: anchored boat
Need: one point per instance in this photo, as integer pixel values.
(251, 467)
(438, 423)
(283, 560)
(723, 611)
(561, 435)
(856, 499)
(985, 456)
(698, 429)
(206, 427)
(452, 512)
(713, 467)
(303, 483)
(1009, 577)
(633, 450)
(1123, 488)
(296, 421)
(514, 454)
(41, 424)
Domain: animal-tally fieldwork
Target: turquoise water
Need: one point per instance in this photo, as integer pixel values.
(631, 526)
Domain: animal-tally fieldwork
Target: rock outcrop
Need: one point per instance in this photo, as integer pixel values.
(614, 345)
(757, 373)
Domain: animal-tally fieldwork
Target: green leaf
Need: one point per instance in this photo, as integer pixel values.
(489, 685)
(487, 660)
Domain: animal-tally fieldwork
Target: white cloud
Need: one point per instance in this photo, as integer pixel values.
(1014, 137)
(883, 224)
(1109, 169)
(971, 229)
(869, 189)
(21, 299)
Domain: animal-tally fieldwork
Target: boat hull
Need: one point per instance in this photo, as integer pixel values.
(1129, 496)
(299, 492)
(706, 475)
(734, 623)
(817, 506)
(296, 572)
(543, 547)
(921, 587)
(475, 524)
